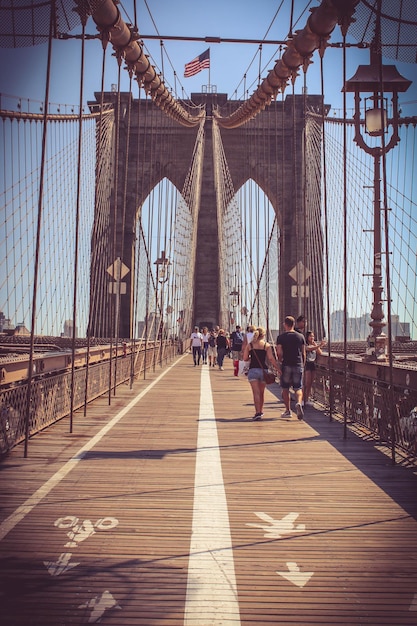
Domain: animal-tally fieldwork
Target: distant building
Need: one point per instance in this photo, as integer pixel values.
(5, 323)
(68, 329)
(358, 328)
(399, 329)
(21, 329)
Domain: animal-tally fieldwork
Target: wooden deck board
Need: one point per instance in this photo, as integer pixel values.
(353, 525)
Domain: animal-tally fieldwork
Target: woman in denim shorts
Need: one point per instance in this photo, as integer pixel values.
(258, 351)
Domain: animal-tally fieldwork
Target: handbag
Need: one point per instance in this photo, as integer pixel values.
(269, 377)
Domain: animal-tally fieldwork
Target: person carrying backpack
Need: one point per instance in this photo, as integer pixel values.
(212, 348)
(236, 339)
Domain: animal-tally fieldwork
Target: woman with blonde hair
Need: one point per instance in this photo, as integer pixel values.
(222, 343)
(258, 351)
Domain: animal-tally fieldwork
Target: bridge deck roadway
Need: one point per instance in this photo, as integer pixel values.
(171, 507)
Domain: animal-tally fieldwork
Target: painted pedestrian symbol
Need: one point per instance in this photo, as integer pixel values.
(274, 529)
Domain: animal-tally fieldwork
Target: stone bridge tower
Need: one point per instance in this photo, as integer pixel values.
(167, 153)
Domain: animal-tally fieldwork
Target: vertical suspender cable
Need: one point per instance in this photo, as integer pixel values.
(296, 199)
(393, 408)
(304, 205)
(282, 242)
(152, 282)
(77, 225)
(326, 237)
(148, 269)
(266, 239)
(113, 315)
(277, 232)
(38, 230)
(136, 252)
(122, 229)
(96, 202)
(344, 240)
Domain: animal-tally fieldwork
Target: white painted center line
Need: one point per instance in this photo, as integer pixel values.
(211, 586)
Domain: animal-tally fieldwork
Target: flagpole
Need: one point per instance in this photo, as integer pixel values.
(209, 70)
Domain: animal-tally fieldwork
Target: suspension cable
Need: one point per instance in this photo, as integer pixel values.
(77, 224)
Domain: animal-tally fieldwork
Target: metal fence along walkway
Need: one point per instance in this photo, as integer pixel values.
(171, 506)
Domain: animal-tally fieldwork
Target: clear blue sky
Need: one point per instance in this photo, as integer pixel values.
(24, 69)
(242, 19)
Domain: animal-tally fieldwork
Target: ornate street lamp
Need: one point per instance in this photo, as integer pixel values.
(371, 118)
(234, 298)
(162, 268)
(234, 303)
(162, 276)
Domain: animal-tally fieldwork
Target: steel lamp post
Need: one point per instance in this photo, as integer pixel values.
(371, 119)
(234, 303)
(162, 276)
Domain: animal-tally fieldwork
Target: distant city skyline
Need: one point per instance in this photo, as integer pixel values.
(358, 328)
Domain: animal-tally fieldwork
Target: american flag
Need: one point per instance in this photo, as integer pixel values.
(201, 62)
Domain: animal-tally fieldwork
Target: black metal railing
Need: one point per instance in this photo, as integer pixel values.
(381, 400)
(50, 394)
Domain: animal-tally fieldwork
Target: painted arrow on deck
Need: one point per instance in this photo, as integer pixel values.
(295, 576)
(100, 604)
(276, 528)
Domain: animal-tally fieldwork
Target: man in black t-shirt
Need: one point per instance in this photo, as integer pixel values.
(236, 339)
(291, 351)
(300, 325)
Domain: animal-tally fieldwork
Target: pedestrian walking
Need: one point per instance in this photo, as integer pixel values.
(248, 335)
(196, 345)
(258, 352)
(204, 351)
(312, 350)
(291, 351)
(222, 347)
(236, 339)
(212, 348)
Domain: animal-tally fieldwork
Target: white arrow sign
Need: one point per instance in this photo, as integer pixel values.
(100, 604)
(118, 269)
(55, 568)
(300, 273)
(295, 576)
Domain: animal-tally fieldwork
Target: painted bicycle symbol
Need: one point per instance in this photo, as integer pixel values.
(81, 530)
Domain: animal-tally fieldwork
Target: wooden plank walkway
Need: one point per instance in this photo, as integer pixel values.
(172, 507)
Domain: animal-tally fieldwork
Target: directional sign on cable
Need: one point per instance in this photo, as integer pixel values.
(299, 274)
(117, 270)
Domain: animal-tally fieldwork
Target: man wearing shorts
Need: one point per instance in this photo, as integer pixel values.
(212, 348)
(291, 351)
